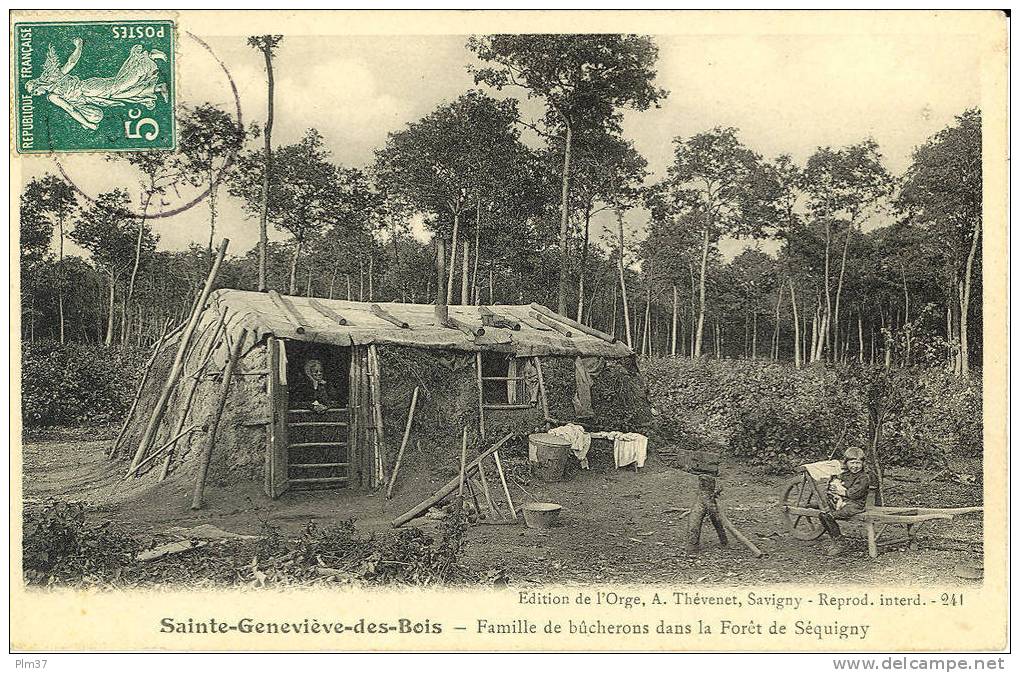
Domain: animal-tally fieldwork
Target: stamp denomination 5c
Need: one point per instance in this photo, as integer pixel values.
(85, 86)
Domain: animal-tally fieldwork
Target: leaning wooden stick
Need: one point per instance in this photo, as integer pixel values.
(196, 378)
(485, 490)
(403, 442)
(506, 489)
(463, 466)
(175, 370)
(447, 488)
(288, 311)
(112, 453)
(728, 525)
(158, 452)
(206, 458)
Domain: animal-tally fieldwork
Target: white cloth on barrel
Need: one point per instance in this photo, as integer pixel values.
(580, 441)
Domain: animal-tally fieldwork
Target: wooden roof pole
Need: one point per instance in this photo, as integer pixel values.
(548, 322)
(580, 327)
(178, 365)
(327, 311)
(380, 312)
(288, 311)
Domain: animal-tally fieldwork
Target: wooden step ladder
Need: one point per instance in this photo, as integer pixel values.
(317, 449)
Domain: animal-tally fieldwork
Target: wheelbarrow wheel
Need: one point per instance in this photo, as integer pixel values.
(799, 492)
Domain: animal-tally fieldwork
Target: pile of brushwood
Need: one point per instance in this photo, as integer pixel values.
(67, 543)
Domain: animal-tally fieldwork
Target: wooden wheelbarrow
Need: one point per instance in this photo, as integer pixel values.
(802, 500)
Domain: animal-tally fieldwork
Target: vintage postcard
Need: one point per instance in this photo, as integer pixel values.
(509, 330)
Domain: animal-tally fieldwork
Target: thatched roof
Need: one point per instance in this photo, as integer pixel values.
(261, 315)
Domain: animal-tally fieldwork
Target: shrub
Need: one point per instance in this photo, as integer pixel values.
(62, 545)
(775, 416)
(77, 384)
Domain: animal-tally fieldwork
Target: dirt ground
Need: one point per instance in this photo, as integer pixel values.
(616, 525)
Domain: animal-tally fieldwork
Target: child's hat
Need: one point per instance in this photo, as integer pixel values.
(853, 453)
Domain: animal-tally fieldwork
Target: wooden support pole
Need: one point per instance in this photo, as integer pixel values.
(541, 388)
(403, 442)
(327, 312)
(449, 487)
(158, 452)
(552, 324)
(175, 370)
(206, 458)
(506, 489)
(163, 337)
(196, 378)
(380, 312)
(481, 395)
(288, 311)
(580, 327)
(377, 416)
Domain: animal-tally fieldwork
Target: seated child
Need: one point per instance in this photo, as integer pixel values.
(847, 494)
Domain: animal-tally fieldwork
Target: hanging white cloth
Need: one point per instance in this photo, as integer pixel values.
(580, 441)
(628, 447)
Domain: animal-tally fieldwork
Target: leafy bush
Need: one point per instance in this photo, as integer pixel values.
(62, 545)
(775, 416)
(77, 384)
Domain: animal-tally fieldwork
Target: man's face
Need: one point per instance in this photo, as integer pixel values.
(855, 465)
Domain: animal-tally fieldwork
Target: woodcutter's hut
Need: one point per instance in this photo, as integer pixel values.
(494, 370)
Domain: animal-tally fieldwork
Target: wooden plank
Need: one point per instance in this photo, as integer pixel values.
(380, 312)
(320, 480)
(469, 330)
(307, 445)
(206, 458)
(327, 312)
(178, 365)
(317, 465)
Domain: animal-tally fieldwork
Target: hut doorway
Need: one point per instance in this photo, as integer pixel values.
(310, 448)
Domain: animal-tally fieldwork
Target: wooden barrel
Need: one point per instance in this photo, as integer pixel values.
(548, 455)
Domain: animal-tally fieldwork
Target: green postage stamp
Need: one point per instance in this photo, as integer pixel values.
(94, 86)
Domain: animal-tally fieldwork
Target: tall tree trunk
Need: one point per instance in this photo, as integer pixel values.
(491, 288)
(138, 260)
(860, 338)
(701, 291)
(453, 257)
(211, 180)
(623, 281)
(754, 335)
(350, 295)
(775, 332)
(561, 296)
(267, 52)
(584, 265)
(612, 324)
(464, 280)
(332, 279)
(292, 287)
(371, 277)
(965, 303)
(60, 277)
(839, 283)
(109, 316)
(646, 337)
(476, 288)
(672, 343)
(308, 285)
(824, 327)
(361, 280)
(797, 353)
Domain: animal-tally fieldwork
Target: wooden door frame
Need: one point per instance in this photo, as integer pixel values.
(276, 478)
